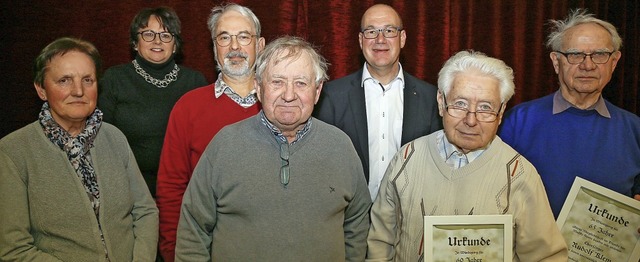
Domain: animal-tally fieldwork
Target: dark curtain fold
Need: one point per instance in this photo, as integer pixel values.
(513, 31)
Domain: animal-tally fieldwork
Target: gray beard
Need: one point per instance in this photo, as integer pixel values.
(230, 69)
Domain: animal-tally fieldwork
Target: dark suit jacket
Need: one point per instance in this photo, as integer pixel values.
(342, 104)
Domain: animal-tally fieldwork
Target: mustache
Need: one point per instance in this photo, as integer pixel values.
(237, 54)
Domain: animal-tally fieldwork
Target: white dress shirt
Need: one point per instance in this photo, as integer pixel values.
(384, 105)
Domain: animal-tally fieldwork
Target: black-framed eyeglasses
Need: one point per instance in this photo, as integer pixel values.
(387, 32)
(150, 35)
(482, 115)
(599, 57)
(284, 168)
(243, 38)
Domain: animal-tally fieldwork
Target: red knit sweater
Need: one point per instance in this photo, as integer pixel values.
(195, 119)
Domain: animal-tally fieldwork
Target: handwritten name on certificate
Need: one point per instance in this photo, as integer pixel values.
(599, 224)
(477, 238)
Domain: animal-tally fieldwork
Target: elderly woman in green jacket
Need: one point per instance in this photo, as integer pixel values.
(70, 189)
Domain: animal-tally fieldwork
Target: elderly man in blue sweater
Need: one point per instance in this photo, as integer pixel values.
(575, 131)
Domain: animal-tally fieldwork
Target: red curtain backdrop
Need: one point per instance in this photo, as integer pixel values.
(512, 30)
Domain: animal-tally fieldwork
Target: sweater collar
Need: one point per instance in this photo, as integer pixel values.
(156, 70)
(278, 134)
(560, 104)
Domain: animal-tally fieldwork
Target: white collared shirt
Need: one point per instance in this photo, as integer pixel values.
(452, 156)
(384, 105)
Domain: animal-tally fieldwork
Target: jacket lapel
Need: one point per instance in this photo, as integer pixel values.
(410, 112)
(357, 105)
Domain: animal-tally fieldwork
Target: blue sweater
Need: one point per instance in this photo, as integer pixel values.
(576, 142)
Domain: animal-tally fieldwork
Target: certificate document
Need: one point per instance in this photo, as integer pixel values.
(600, 224)
(468, 238)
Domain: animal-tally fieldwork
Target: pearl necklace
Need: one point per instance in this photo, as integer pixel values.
(168, 78)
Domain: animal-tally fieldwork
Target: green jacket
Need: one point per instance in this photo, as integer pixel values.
(46, 215)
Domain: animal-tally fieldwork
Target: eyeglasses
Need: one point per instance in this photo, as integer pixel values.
(243, 38)
(149, 36)
(284, 169)
(482, 115)
(599, 57)
(387, 32)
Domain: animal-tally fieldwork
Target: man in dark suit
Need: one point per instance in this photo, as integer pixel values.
(381, 107)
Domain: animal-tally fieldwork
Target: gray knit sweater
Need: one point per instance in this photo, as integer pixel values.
(236, 208)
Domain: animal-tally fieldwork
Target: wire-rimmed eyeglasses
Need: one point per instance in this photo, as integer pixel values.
(483, 114)
(150, 35)
(284, 168)
(387, 32)
(243, 38)
(599, 57)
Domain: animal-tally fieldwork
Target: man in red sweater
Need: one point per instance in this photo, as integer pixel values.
(202, 112)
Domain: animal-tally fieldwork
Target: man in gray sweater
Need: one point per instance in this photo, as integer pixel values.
(280, 186)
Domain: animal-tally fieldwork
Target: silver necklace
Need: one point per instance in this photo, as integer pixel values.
(168, 78)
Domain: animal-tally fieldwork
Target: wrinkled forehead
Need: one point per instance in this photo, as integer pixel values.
(475, 85)
(286, 59)
(588, 33)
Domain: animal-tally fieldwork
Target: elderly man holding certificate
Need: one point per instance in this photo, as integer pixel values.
(464, 169)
